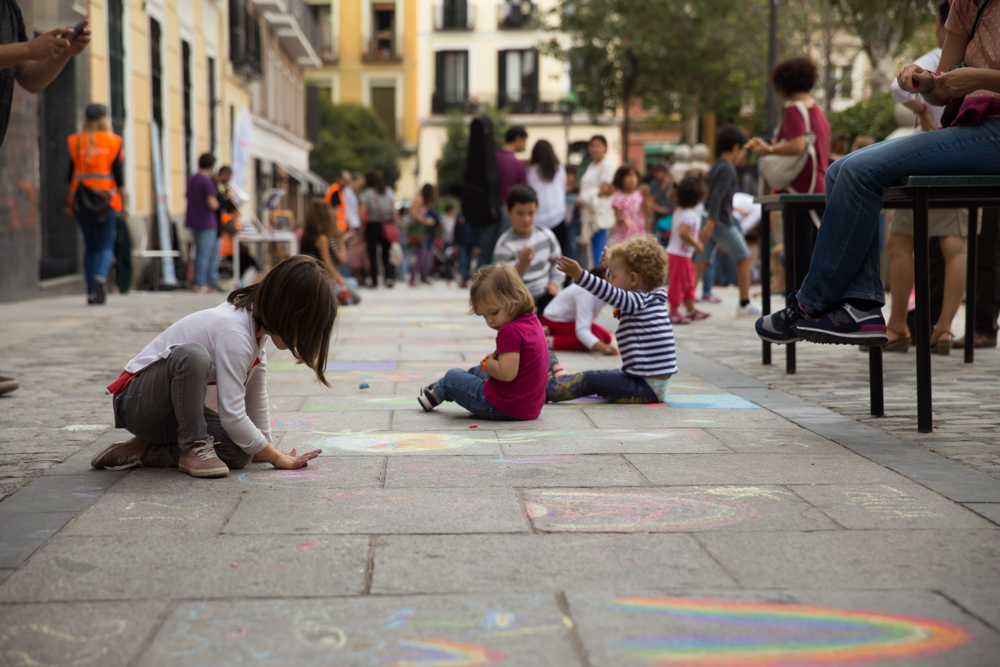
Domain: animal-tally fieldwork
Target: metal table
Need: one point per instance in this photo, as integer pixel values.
(922, 193)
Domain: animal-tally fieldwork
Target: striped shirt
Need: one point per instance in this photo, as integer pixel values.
(645, 336)
(542, 270)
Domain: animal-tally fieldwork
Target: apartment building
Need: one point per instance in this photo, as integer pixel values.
(477, 53)
(368, 50)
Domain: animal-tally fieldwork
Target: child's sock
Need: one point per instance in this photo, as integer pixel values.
(744, 302)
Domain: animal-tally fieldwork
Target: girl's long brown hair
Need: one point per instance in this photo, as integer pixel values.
(295, 301)
(319, 221)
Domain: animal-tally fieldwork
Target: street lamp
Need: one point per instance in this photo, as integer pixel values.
(628, 80)
(772, 55)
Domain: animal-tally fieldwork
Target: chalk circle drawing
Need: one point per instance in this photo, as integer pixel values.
(396, 442)
(634, 510)
(78, 428)
(471, 468)
(729, 633)
(443, 653)
(318, 474)
(292, 423)
(39, 644)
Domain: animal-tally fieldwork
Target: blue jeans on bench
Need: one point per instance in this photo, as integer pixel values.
(845, 261)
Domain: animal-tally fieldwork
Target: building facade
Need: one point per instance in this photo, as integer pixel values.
(477, 53)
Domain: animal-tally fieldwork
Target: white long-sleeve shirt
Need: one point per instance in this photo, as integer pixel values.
(577, 305)
(597, 213)
(929, 61)
(551, 196)
(237, 384)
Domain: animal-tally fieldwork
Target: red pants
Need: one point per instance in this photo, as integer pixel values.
(680, 274)
(564, 335)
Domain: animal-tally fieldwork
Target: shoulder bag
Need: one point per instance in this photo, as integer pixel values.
(90, 204)
(781, 170)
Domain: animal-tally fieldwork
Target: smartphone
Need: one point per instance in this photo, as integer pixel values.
(77, 29)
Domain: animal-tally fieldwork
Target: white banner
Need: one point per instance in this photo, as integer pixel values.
(242, 137)
(162, 219)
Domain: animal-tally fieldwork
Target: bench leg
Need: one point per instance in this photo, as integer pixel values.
(791, 276)
(875, 381)
(765, 280)
(970, 287)
(921, 265)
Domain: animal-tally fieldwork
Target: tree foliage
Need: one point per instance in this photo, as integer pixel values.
(352, 137)
(873, 116)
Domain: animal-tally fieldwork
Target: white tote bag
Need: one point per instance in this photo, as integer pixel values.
(781, 170)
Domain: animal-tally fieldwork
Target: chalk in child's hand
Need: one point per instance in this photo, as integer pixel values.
(364, 385)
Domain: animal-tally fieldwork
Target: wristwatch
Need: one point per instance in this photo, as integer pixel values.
(770, 148)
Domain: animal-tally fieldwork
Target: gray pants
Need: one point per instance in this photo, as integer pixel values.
(165, 406)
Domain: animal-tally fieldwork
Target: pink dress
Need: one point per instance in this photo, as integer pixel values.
(634, 224)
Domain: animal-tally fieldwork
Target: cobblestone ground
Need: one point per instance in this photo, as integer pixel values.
(966, 397)
(721, 529)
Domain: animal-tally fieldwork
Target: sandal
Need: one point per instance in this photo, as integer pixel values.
(556, 370)
(900, 344)
(942, 341)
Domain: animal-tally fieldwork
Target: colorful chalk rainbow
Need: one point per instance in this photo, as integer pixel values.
(442, 653)
(784, 635)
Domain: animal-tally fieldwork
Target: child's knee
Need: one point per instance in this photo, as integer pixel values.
(193, 356)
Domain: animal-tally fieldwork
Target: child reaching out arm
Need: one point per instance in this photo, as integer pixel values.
(196, 397)
(637, 270)
(508, 385)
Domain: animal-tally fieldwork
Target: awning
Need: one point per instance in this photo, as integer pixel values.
(315, 182)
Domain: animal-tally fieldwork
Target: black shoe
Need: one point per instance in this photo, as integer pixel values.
(429, 398)
(101, 290)
(92, 300)
(390, 283)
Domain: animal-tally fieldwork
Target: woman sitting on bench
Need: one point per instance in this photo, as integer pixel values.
(841, 297)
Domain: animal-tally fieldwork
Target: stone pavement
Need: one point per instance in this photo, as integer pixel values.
(737, 525)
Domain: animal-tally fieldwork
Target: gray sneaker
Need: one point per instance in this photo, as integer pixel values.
(429, 398)
(202, 461)
(121, 455)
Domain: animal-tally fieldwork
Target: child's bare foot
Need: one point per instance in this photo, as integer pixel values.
(202, 461)
(121, 455)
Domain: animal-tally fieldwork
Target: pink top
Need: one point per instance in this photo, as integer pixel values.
(632, 212)
(523, 397)
(984, 49)
(792, 126)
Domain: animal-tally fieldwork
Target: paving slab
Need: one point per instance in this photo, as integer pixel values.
(21, 533)
(452, 417)
(792, 627)
(610, 441)
(766, 441)
(75, 633)
(531, 563)
(978, 600)
(515, 471)
(365, 510)
(293, 422)
(171, 481)
(828, 468)
(480, 440)
(858, 558)
(196, 567)
(324, 472)
(989, 510)
(470, 630)
(686, 509)
(659, 416)
(902, 504)
(139, 514)
(60, 493)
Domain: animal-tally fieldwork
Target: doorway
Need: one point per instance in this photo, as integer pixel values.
(384, 104)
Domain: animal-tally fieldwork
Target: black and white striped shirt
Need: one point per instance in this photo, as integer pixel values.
(645, 336)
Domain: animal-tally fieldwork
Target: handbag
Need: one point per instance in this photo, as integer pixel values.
(955, 104)
(90, 204)
(781, 170)
(396, 254)
(390, 232)
(415, 237)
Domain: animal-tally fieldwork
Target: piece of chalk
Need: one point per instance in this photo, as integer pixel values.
(364, 385)
(233, 565)
(473, 425)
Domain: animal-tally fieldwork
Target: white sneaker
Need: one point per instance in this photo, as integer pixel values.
(749, 310)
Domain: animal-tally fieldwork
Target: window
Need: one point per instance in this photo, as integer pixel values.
(518, 80)
(156, 73)
(116, 61)
(451, 88)
(516, 14)
(845, 87)
(188, 121)
(384, 105)
(383, 45)
(455, 14)
(324, 26)
(213, 103)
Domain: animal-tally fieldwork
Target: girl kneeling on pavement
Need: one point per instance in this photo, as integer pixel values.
(196, 397)
(509, 385)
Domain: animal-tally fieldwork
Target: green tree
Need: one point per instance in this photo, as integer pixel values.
(873, 116)
(352, 137)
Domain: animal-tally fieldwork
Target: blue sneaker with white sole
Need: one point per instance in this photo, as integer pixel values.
(779, 327)
(844, 325)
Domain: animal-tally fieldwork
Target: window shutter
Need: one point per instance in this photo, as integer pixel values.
(439, 9)
(437, 102)
(501, 79)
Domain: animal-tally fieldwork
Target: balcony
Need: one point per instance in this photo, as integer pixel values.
(454, 15)
(517, 15)
(244, 40)
(296, 31)
(382, 49)
(328, 51)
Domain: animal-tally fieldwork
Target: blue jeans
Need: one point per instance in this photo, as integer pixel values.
(489, 235)
(206, 243)
(613, 386)
(597, 243)
(99, 247)
(845, 261)
(467, 389)
(708, 280)
(465, 261)
(572, 231)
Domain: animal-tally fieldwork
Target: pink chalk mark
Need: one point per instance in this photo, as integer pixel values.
(306, 545)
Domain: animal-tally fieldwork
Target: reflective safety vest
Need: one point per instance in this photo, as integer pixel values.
(226, 240)
(92, 154)
(341, 209)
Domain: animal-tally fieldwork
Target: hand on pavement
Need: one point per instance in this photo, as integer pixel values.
(291, 461)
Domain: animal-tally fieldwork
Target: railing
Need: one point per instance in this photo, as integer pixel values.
(382, 49)
(516, 15)
(454, 14)
(482, 102)
(300, 10)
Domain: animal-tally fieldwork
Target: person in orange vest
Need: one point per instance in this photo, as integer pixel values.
(95, 195)
(335, 197)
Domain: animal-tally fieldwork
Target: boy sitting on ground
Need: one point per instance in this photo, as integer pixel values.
(533, 251)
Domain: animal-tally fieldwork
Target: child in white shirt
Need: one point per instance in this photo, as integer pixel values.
(569, 321)
(686, 223)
